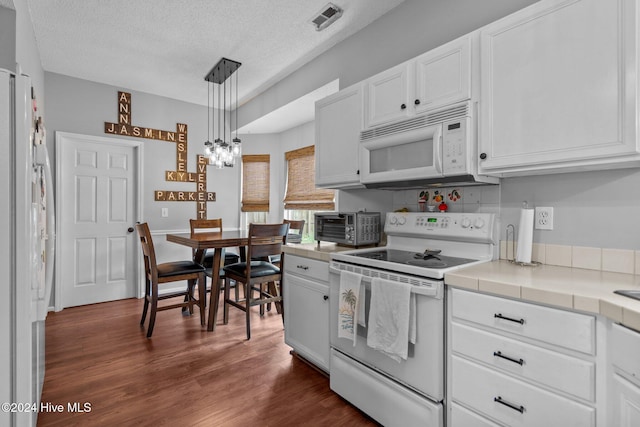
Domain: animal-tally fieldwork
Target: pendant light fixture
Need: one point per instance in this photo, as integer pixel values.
(223, 151)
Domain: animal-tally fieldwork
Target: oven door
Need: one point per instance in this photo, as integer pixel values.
(423, 371)
(407, 155)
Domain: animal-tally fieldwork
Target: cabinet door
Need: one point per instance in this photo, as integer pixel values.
(626, 403)
(387, 96)
(306, 319)
(443, 75)
(558, 88)
(338, 124)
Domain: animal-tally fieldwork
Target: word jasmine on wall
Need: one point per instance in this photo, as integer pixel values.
(201, 196)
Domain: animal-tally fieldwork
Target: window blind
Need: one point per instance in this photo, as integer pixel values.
(255, 183)
(302, 193)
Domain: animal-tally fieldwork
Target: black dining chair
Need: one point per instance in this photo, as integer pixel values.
(264, 240)
(156, 274)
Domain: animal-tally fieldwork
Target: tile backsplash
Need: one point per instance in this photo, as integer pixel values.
(601, 259)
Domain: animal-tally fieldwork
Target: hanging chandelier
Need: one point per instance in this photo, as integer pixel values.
(223, 151)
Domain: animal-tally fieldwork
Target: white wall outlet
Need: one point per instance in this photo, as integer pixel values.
(544, 218)
(165, 212)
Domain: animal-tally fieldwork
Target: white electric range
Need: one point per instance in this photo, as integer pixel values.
(421, 248)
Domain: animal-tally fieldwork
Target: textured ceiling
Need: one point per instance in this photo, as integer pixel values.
(165, 47)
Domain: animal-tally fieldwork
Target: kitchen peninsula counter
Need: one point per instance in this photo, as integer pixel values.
(571, 288)
(312, 250)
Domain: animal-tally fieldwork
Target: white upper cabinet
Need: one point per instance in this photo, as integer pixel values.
(387, 95)
(437, 78)
(443, 75)
(338, 123)
(558, 88)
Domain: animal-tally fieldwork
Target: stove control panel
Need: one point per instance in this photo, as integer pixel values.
(452, 226)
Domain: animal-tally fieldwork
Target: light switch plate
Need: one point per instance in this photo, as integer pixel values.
(165, 212)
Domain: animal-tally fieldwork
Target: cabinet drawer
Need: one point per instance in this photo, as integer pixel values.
(625, 350)
(556, 370)
(462, 417)
(557, 327)
(306, 267)
(514, 402)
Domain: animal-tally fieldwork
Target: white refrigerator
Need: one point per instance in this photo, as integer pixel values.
(27, 244)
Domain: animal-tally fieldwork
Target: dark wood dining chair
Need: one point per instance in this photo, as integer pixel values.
(295, 225)
(264, 240)
(175, 271)
(215, 224)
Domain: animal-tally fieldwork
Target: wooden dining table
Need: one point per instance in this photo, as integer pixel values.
(217, 241)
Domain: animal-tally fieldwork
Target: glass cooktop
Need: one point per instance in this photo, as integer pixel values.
(428, 258)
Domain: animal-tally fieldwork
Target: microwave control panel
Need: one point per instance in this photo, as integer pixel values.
(454, 146)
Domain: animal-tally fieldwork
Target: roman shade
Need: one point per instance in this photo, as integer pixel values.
(255, 183)
(302, 193)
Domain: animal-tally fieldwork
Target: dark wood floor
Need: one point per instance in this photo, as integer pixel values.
(184, 375)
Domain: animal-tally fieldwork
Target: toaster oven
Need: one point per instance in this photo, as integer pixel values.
(348, 228)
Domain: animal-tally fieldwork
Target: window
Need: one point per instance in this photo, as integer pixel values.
(302, 198)
(255, 183)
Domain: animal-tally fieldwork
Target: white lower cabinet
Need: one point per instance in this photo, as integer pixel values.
(513, 363)
(624, 349)
(306, 308)
(625, 408)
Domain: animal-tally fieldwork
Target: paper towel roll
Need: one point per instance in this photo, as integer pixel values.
(525, 236)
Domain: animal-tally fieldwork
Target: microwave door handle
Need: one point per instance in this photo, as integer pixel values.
(437, 150)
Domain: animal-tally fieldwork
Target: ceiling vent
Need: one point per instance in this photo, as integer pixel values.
(327, 16)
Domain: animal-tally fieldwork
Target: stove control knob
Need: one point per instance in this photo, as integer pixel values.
(393, 220)
(466, 222)
(402, 220)
(478, 223)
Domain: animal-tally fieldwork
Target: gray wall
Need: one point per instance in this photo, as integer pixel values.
(80, 106)
(410, 29)
(7, 38)
(596, 209)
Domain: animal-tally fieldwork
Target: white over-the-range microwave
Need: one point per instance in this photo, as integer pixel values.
(438, 147)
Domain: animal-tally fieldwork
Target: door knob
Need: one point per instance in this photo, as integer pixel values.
(130, 230)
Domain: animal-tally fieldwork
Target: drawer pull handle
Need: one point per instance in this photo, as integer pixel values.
(511, 359)
(510, 319)
(304, 267)
(510, 405)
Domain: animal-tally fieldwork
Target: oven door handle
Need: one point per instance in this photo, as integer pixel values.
(430, 289)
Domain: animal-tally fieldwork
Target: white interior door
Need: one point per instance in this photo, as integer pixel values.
(97, 199)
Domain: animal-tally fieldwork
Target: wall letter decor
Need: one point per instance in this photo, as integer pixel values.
(201, 196)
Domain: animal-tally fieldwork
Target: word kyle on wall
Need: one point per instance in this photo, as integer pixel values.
(201, 196)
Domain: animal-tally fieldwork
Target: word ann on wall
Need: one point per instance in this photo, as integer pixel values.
(201, 196)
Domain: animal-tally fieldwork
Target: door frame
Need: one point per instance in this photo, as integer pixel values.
(138, 147)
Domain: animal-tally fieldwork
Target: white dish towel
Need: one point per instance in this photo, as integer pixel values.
(391, 318)
(349, 306)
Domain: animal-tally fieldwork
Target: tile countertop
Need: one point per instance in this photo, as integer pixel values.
(312, 250)
(572, 288)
